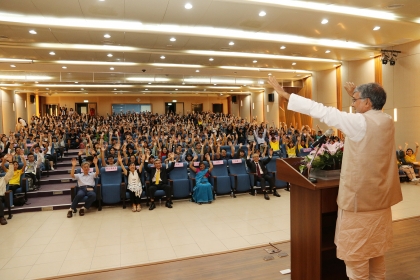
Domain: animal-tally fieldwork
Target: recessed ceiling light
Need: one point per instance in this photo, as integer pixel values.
(52, 53)
(101, 0)
(115, 89)
(262, 14)
(112, 68)
(254, 61)
(282, 47)
(172, 39)
(324, 21)
(162, 57)
(188, 6)
(82, 89)
(13, 66)
(327, 51)
(183, 83)
(149, 83)
(109, 55)
(231, 43)
(76, 82)
(176, 89)
(269, 74)
(47, 88)
(64, 67)
(147, 89)
(294, 63)
(231, 90)
(197, 70)
(32, 31)
(107, 36)
(376, 28)
(215, 84)
(244, 85)
(211, 59)
(36, 82)
(115, 92)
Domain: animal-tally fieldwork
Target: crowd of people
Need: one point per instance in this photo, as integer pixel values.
(135, 140)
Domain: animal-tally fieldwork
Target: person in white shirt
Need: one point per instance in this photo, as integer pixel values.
(369, 181)
(86, 183)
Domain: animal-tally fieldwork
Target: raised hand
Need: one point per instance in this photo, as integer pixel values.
(350, 87)
(95, 160)
(195, 158)
(73, 162)
(119, 159)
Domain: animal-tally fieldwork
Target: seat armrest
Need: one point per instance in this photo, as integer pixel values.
(236, 181)
(171, 183)
(215, 183)
(123, 189)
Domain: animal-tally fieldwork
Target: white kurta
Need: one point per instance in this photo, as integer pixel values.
(359, 235)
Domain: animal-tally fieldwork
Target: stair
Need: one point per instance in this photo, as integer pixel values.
(55, 188)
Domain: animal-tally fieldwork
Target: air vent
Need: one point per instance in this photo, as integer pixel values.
(395, 6)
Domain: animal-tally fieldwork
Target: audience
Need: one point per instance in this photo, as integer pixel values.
(3, 182)
(137, 140)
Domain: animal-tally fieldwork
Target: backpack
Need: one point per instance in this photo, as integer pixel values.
(19, 199)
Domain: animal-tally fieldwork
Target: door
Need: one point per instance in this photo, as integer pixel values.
(217, 108)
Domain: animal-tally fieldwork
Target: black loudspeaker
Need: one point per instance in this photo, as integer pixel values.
(271, 97)
(234, 99)
(32, 98)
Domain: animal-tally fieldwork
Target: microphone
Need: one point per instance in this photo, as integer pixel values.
(322, 139)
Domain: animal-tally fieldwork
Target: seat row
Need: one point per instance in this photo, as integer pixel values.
(227, 177)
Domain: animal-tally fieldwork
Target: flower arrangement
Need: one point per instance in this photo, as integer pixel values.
(328, 157)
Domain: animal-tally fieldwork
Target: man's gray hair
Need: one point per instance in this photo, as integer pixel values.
(374, 92)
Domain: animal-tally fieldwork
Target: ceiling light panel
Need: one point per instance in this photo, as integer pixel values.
(135, 26)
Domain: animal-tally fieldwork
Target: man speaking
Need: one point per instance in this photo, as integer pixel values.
(369, 181)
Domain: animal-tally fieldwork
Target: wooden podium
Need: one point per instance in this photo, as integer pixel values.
(313, 215)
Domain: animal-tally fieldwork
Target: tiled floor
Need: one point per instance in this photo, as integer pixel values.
(41, 244)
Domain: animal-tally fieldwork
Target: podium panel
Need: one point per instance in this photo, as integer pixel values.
(313, 216)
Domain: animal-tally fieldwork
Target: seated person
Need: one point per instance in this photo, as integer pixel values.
(410, 156)
(158, 177)
(110, 158)
(86, 182)
(405, 167)
(14, 182)
(134, 186)
(291, 149)
(203, 190)
(33, 169)
(3, 182)
(257, 167)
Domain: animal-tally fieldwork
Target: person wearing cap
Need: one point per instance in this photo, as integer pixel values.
(368, 188)
(86, 183)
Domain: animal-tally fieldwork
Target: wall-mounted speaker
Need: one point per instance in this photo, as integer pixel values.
(32, 98)
(234, 99)
(271, 97)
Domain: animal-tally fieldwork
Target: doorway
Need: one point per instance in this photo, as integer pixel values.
(86, 108)
(217, 108)
(174, 108)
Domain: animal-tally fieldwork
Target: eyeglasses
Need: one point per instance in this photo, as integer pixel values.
(355, 99)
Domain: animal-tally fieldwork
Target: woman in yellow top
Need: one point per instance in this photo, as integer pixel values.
(410, 156)
(291, 149)
(14, 182)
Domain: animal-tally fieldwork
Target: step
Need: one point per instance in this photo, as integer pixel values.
(52, 189)
(46, 203)
(55, 179)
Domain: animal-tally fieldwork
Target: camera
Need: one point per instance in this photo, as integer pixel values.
(143, 70)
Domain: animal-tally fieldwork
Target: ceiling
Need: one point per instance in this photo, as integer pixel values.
(138, 56)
